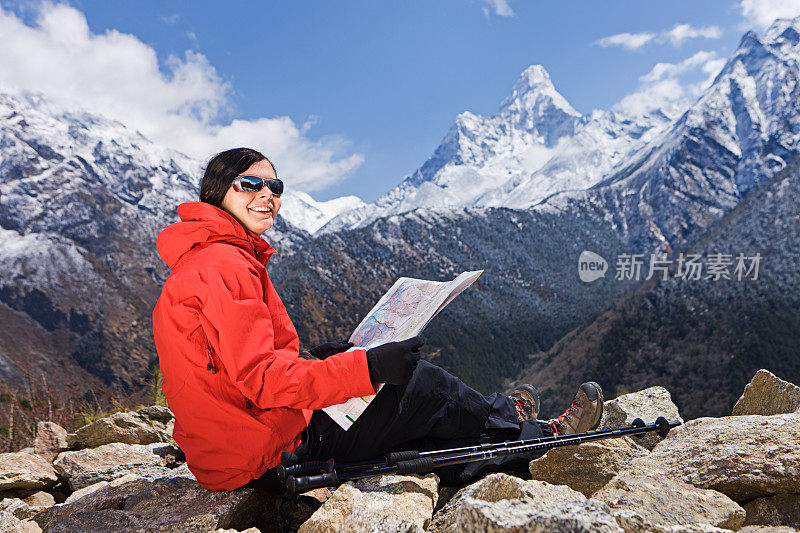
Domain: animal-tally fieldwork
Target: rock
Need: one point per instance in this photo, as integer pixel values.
(518, 515)
(171, 454)
(493, 488)
(586, 467)
(691, 528)
(647, 404)
(288, 514)
(156, 413)
(248, 530)
(767, 394)
(768, 529)
(16, 507)
(145, 426)
(85, 491)
(182, 471)
(661, 501)
(110, 461)
(28, 507)
(10, 523)
(51, 439)
(744, 457)
(164, 505)
(780, 510)
(39, 501)
(378, 503)
(25, 471)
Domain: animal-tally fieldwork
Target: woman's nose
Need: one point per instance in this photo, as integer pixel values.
(265, 192)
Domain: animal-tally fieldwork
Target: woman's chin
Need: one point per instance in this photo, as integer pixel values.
(261, 226)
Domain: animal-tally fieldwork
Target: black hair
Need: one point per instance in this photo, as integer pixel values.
(221, 170)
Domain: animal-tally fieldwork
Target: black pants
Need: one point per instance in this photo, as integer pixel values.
(435, 410)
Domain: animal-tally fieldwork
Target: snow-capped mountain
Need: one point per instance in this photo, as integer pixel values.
(303, 212)
(742, 130)
(536, 145)
(82, 199)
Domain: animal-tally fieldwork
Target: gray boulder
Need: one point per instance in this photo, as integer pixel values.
(164, 505)
(16, 507)
(148, 425)
(768, 529)
(25, 471)
(110, 461)
(379, 503)
(51, 439)
(586, 467)
(779, 510)
(29, 506)
(11, 524)
(767, 394)
(494, 488)
(647, 404)
(744, 457)
(94, 487)
(654, 499)
(518, 515)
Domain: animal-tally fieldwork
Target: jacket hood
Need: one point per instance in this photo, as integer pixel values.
(203, 224)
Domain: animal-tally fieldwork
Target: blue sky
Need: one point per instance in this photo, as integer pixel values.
(351, 96)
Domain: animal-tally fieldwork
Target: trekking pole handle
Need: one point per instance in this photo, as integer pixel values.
(296, 485)
(303, 469)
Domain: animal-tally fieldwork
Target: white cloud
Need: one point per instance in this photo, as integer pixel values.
(498, 7)
(762, 13)
(179, 104)
(682, 32)
(631, 41)
(672, 70)
(676, 36)
(671, 86)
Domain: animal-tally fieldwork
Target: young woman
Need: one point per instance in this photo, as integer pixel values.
(242, 391)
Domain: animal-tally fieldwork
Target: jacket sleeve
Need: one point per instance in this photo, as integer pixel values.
(240, 328)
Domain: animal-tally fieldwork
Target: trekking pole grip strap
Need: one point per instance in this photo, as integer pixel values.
(415, 466)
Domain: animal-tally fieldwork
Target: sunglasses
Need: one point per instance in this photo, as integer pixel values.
(255, 184)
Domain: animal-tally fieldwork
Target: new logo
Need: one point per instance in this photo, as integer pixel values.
(591, 266)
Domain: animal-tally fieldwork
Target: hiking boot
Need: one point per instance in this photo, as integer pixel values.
(526, 400)
(584, 413)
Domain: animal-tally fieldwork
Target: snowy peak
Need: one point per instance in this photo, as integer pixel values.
(302, 211)
(784, 34)
(535, 106)
(535, 89)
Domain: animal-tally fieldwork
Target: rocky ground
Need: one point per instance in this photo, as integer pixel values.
(734, 473)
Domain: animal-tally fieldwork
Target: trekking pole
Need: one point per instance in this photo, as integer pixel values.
(291, 465)
(440, 458)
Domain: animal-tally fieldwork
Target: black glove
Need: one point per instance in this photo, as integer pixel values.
(323, 351)
(394, 362)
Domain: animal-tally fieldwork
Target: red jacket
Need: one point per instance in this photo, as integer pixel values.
(229, 352)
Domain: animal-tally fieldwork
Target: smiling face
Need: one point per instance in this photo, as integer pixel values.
(255, 211)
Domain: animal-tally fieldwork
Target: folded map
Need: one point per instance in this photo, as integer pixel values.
(401, 313)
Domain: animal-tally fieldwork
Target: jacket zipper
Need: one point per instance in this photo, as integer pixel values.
(210, 366)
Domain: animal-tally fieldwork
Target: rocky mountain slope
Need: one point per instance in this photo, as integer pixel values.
(701, 338)
(124, 473)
